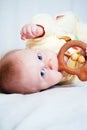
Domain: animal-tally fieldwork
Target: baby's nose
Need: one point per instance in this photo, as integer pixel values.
(49, 64)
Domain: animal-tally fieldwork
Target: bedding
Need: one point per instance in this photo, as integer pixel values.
(58, 108)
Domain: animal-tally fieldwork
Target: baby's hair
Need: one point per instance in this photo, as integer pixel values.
(8, 71)
(5, 71)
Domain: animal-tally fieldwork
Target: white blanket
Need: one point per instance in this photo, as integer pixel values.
(58, 108)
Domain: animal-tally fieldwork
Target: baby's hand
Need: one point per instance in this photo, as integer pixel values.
(31, 31)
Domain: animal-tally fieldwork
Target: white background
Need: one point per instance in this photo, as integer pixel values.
(15, 13)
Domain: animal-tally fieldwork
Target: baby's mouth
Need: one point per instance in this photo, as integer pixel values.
(55, 64)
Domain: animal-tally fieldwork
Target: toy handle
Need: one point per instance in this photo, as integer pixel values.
(80, 72)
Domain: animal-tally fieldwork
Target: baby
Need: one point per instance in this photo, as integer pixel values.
(36, 68)
(29, 71)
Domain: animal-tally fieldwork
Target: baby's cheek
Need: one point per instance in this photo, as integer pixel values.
(57, 77)
(53, 78)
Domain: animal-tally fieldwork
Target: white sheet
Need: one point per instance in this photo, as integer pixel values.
(54, 109)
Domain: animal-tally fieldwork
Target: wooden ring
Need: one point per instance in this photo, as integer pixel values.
(80, 72)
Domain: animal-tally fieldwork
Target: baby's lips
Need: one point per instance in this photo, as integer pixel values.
(60, 76)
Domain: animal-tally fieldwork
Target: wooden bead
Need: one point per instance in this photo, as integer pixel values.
(81, 59)
(74, 57)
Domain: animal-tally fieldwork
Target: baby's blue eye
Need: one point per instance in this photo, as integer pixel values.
(40, 57)
(42, 72)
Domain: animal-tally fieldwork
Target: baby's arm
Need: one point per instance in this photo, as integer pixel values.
(31, 31)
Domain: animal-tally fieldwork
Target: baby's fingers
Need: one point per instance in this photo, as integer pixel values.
(31, 31)
(37, 31)
(23, 32)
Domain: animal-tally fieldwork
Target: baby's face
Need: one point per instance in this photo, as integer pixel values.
(39, 69)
